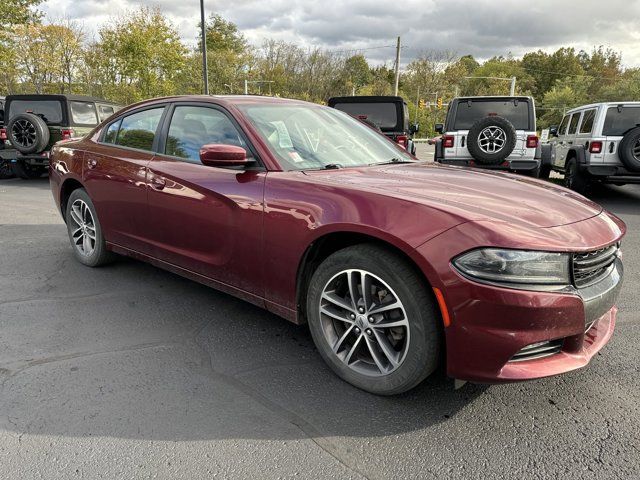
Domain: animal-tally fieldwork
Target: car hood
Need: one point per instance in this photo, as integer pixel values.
(471, 194)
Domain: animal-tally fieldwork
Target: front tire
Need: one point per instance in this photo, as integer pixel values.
(85, 232)
(373, 319)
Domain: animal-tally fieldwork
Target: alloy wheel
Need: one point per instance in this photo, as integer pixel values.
(23, 132)
(364, 322)
(83, 228)
(636, 150)
(492, 139)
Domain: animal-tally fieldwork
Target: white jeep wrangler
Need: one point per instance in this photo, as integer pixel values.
(491, 132)
(598, 142)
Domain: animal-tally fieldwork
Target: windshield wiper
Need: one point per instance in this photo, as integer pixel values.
(332, 166)
(392, 160)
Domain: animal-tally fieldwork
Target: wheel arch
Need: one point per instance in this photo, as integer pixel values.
(330, 242)
(577, 153)
(68, 186)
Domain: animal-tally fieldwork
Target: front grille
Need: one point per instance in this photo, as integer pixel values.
(590, 267)
(538, 350)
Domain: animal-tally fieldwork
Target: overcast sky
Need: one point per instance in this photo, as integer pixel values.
(483, 28)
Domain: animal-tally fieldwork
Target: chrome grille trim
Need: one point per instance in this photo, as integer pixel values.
(538, 350)
(591, 267)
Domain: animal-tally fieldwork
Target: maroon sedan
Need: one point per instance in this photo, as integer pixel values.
(395, 264)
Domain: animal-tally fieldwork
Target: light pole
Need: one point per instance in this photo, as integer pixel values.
(205, 77)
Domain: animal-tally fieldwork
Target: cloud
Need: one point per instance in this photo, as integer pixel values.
(483, 28)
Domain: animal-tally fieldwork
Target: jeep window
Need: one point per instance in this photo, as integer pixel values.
(384, 115)
(573, 124)
(105, 111)
(620, 120)
(587, 121)
(469, 112)
(138, 129)
(83, 113)
(49, 110)
(562, 129)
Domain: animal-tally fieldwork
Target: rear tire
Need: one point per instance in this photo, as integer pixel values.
(5, 170)
(574, 178)
(27, 172)
(629, 150)
(28, 133)
(85, 232)
(361, 350)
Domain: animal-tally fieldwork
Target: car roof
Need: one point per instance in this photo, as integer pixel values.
(495, 97)
(224, 100)
(600, 104)
(79, 98)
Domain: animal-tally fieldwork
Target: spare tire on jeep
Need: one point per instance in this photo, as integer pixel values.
(28, 133)
(491, 140)
(629, 150)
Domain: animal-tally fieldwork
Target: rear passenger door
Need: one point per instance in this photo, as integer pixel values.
(567, 140)
(115, 172)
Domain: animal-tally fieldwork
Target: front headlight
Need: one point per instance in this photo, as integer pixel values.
(521, 267)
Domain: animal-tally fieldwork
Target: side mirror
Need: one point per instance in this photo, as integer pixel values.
(439, 128)
(415, 128)
(553, 130)
(221, 155)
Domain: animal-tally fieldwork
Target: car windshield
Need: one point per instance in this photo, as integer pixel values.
(469, 112)
(306, 137)
(384, 115)
(49, 110)
(619, 120)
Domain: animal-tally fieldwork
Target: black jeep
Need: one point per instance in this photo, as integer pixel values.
(390, 114)
(33, 123)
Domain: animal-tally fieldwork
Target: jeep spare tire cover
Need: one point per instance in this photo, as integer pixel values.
(28, 133)
(629, 150)
(491, 140)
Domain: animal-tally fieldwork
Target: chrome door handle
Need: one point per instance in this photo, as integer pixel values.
(158, 182)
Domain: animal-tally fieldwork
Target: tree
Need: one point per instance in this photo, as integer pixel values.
(222, 35)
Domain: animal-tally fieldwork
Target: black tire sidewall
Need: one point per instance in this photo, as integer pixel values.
(473, 144)
(625, 150)
(100, 254)
(573, 178)
(425, 341)
(42, 133)
(27, 172)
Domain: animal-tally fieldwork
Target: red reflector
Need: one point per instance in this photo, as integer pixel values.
(402, 141)
(3, 133)
(595, 147)
(447, 141)
(67, 133)
(532, 141)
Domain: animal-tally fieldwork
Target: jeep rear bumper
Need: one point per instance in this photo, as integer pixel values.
(515, 165)
(613, 173)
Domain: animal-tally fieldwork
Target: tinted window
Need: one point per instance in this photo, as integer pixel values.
(83, 113)
(105, 111)
(573, 124)
(619, 120)
(138, 130)
(49, 110)
(112, 132)
(562, 129)
(384, 115)
(587, 121)
(193, 127)
(469, 112)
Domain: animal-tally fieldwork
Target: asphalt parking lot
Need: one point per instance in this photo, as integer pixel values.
(128, 371)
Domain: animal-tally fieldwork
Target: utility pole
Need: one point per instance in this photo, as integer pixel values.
(513, 87)
(417, 103)
(246, 87)
(205, 76)
(395, 88)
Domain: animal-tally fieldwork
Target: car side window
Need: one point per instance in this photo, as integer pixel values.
(562, 129)
(138, 129)
(112, 132)
(586, 126)
(105, 111)
(192, 127)
(573, 124)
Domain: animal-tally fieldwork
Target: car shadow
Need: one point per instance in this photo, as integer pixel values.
(132, 351)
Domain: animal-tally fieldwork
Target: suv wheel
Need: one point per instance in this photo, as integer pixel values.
(574, 178)
(629, 150)
(28, 133)
(491, 140)
(374, 320)
(85, 232)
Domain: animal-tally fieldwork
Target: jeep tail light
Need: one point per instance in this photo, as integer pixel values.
(67, 133)
(532, 141)
(595, 147)
(447, 141)
(3, 133)
(402, 141)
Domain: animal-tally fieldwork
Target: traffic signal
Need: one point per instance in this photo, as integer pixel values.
(422, 103)
(440, 103)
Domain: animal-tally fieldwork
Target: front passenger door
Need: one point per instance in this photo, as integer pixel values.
(207, 220)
